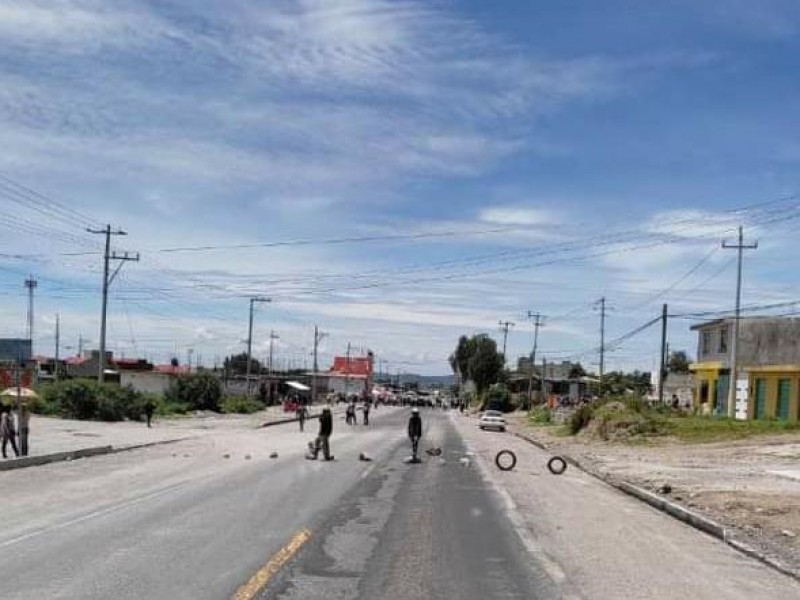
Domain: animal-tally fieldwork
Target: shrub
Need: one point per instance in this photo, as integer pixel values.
(541, 414)
(241, 405)
(201, 391)
(580, 418)
(89, 400)
(498, 398)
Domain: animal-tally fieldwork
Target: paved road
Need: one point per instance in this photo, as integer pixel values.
(214, 517)
(183, 521)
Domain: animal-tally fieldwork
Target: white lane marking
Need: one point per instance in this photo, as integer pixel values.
(366, 473)
(92, 515)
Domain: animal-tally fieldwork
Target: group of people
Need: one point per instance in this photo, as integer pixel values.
(322, 442)
(13, 426)
(350, 413)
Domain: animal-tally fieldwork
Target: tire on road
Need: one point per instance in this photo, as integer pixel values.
(557, 465)
(501, 464)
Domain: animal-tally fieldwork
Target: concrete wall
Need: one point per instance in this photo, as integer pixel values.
(146, 381)
(762, 342)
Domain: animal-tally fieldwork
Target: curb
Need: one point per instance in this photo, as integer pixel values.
(674, 510)
(44, 459)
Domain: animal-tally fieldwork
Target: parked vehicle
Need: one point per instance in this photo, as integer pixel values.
(492, 419)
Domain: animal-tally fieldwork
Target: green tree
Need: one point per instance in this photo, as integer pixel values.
(459, 360)
(201, 391)
(237, 364)
(486, 364)
(678, 362)
(577, 371)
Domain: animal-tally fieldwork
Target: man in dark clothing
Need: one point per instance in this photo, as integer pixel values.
(302, 415)
(414, 431)
(350, 414)
(366, 413)
(325, 431)
(149, 409)
(7, 431)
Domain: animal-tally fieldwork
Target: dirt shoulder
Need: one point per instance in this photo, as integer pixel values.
(751, 486)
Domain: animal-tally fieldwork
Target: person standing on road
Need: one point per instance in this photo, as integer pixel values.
(415, 431)
(24, 422)
(366, 413)
(323, 438)
(350, 414)
(302, 415)
(149, 409)
(7, 432)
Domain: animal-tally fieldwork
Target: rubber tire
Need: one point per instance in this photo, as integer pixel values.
(556, 470)
(500, 464)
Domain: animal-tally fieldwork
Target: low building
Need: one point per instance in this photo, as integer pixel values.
(148, 378)
(768, 362)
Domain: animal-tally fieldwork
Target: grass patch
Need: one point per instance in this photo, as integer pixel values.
(541, 415)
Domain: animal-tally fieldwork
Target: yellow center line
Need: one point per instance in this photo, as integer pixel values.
(257, 582)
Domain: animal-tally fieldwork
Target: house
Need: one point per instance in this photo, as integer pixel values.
(350, 375)
(88, 366)
(148, 378)
(768, 361)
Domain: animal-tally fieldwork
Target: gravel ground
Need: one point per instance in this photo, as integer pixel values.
(751, 486)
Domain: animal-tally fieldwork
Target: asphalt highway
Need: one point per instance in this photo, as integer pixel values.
(217, 518)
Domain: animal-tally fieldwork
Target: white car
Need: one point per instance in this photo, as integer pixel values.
(492, 419)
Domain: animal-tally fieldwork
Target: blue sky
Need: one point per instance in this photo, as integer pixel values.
(557, 151)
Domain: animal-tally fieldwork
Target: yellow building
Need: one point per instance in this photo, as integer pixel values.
(769, 362)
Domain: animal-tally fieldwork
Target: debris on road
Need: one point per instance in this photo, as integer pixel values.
(226, 455)
(434, 451)
(274, 455)
(247, 457)
(363, 456)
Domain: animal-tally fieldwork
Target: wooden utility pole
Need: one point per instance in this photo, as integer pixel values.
(504, 326)
(253, 300)
(318, 335)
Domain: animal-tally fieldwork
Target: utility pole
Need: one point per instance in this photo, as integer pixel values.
(31, 284)
(602, 303)
(740, 247)
(318, 335)
(253, 300)
(504, 325)
(80, 345)
(107, 257)
(662, 377)
(537, 322)
(56, 368)
(347, 372)
(272, 337)
(544, 379)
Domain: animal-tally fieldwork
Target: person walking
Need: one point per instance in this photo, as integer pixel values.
(24, 422)
(350, 414)
(149, 409)
(415, 432)
(323, 437)
(366, 413)
(302, 415)
(7, 432)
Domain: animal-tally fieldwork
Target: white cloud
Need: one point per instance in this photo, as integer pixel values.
(517, 215)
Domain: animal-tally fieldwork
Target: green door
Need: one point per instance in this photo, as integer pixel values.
(761, 398)
(784, 394)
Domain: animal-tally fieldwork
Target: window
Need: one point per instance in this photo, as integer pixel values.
(705, 342)
(723, 340)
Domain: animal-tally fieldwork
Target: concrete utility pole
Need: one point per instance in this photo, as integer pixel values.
(504, 326)
(602, 303)
(537, 322)
(56, 368)
(272, 337)
(740, 247)
(107, 257)
(253, 300)
(318, 335)
(31, 284)
(663, 367)
(347, 372)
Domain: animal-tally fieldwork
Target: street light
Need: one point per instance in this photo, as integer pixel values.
(253, 300)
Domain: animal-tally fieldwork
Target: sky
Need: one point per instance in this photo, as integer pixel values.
(398, 173)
